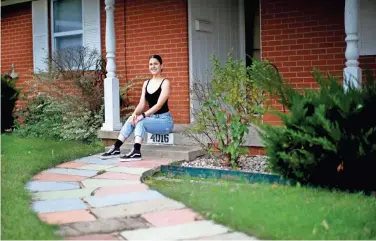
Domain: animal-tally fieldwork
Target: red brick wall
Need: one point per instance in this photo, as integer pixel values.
(159, 27)
(17, 41)
(300, 35)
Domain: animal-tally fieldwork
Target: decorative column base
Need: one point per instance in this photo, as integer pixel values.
(111, 105)
(352, 76)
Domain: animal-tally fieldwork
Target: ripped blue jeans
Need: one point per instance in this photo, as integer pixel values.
(155, 124)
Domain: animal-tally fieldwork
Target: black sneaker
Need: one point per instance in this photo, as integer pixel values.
(112, 152)
(132, 156)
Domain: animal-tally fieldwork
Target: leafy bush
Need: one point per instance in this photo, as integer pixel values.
(46, 118)
(41, 118)
(329, 136)
(224, 108)
(9, 96)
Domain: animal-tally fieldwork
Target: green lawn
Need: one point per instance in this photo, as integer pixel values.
(21, 159)
(277, 212)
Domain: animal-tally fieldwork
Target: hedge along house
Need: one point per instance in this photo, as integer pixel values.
(336, 36)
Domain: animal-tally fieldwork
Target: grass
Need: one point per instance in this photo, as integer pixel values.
(274, 211)
(21, 160)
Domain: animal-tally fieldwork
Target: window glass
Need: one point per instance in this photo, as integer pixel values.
(67, 15)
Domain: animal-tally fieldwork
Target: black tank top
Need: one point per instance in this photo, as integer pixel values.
(152, 99)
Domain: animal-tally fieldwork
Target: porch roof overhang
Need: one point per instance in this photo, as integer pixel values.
(12, 2)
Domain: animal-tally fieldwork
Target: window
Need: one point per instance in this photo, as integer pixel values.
(367, 30)
(67, 24)
(73, 23)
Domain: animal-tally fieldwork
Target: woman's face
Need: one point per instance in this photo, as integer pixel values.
(154, 66)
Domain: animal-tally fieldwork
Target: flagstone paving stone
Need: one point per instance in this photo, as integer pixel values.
(95, 167)
(107, 182)
(120, 189)
(57, 205)
(109, 236)
(180, 231)
(228, 236)
(129, 170)
(137, 208)
(77, 193)
(40, 186)
(71, 165)
(45, 176)
(101, 226)
(118, 175)
(67, 217)
(143, 164)
(97, 160)
(69, 171)
(171, 217)
(116, 199)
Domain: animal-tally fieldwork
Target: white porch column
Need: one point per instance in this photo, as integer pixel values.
(111, 83)
(352, 73)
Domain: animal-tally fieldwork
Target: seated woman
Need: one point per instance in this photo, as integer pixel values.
(156, 120)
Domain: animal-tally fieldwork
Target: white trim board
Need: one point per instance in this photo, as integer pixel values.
(12, 2)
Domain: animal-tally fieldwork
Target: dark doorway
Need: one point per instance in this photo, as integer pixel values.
(252, 30)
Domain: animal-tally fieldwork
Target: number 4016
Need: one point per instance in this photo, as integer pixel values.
(160, 138)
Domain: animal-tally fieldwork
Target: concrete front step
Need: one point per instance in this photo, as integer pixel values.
(252, 139)
(174, 152)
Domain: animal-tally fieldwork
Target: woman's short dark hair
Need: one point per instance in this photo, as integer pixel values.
(156, 56)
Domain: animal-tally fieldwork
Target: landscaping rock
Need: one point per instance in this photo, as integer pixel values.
(246, 163)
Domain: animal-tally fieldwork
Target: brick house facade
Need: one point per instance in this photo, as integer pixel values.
(298, 36)
(295, 35)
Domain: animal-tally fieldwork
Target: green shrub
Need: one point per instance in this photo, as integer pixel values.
(40, 118)
(328, 137)
(81, 124)
(9, 96)
(69, 100)
(224, 108)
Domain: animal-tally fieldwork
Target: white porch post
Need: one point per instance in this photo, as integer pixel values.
(111, 83)
(352, 73)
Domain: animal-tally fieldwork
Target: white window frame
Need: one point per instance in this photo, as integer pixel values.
(67, 33)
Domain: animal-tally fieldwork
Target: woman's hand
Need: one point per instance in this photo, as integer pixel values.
(133, 118)
(137, 119)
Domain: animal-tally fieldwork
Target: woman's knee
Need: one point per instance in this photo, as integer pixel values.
(129, 119)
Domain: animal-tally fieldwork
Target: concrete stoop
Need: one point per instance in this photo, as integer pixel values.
(174, 152)
(183, 148)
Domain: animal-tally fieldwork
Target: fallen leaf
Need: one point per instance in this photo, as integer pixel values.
(367, 230)
(340, 167)
(325, 224)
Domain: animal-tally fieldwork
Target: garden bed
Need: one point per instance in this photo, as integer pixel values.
(251, 169)
(256, 163)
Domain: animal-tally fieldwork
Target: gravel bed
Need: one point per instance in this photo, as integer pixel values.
(247, 163)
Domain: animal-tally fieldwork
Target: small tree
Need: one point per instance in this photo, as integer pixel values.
(226, 107)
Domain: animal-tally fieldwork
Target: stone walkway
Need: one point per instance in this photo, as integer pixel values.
(95, 199)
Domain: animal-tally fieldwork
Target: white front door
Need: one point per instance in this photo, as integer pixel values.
(214, 27)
